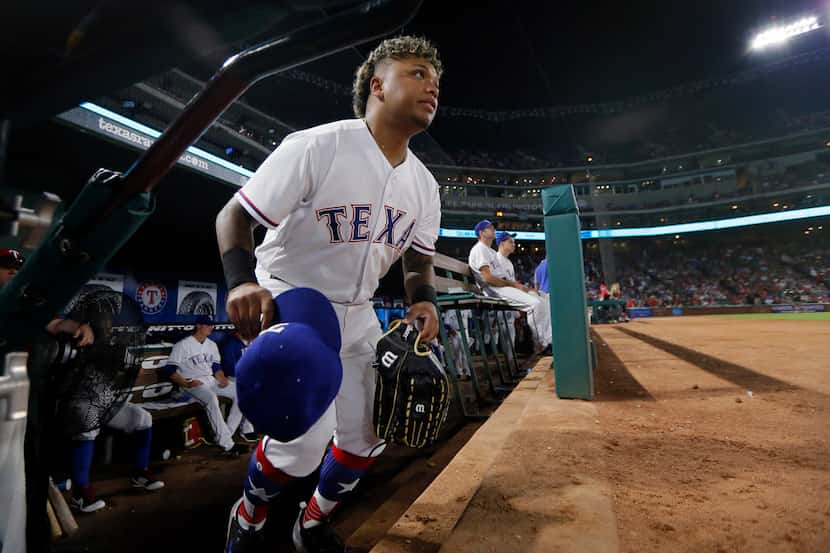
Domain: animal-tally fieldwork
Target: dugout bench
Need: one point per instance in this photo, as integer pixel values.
(457, 292)
(153, 391)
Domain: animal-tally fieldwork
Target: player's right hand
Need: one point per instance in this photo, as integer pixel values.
(521, 287)
(194, 383)
(251, 309)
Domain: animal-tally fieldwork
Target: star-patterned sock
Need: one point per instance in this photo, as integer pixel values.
(339, 476)
(263, 483)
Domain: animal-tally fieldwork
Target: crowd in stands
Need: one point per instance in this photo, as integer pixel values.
(795, 272)
(692, 117)
(718, 275)
(677, 133)
(511, 159)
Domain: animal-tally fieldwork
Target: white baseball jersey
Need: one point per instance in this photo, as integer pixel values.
(482, 255)
(506, 269)
(338, 214)
(192, 359)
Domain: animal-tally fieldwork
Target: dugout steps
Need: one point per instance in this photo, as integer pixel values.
(522, 482)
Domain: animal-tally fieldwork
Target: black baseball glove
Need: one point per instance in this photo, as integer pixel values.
(412, 390)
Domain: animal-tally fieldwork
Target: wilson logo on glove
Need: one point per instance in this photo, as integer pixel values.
(412, 389)
(388, 359)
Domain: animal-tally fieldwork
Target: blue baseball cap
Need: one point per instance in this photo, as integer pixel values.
(204, 320)
(309, 307)
(287, 379)
(503, 235)
(483, 225)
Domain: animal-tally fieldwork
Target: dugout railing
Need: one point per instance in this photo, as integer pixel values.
(486, 321)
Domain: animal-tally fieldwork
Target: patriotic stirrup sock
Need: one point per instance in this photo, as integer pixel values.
(263, 483)
(339, 476)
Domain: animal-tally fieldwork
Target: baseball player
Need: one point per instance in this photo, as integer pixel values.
(484, 264)
(10, 262)
(194, 364)
(13, 521)
(504, 269)
(342, 202)
(540, 279)
(131, 419)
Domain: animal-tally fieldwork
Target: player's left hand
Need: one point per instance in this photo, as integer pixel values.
(222, 382)
(84, 335)
(425, 312)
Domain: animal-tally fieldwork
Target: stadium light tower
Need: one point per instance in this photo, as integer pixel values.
(779, 34)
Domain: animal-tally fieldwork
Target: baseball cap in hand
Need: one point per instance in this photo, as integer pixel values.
(312, 308)
(483, 225)
(503, 235)
(11, 259)
(287, 379)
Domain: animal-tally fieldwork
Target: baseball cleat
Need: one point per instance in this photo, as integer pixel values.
(145, 479)
(236, 451)
(84, 500)
(318, 539)
(241, 540)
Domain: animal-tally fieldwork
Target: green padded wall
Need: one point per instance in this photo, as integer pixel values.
(571, 343)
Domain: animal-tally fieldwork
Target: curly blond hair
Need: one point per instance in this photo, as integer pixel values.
(397, 48)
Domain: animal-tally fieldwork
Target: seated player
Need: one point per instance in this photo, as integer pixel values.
(484, 264)
(194, 364)
(540, 278)
(131, 419)
(507, 245)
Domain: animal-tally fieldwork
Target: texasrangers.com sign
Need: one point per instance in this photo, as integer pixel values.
(113, 126)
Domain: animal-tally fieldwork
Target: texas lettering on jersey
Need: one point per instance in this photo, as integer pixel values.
(201, 359)
(357, 217)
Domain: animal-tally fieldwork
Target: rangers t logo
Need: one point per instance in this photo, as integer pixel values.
(151, 296)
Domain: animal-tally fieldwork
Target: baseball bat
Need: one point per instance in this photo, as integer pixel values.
(53, 521)
(67, 521)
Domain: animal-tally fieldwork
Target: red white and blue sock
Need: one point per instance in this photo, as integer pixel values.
(263, 483)
(339, 476)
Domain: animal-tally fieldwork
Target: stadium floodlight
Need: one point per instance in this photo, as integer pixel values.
(782, 33)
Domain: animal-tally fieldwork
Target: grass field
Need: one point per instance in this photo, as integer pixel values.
(824, 316)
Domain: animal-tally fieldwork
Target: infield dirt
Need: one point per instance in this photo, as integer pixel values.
(716, 433)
